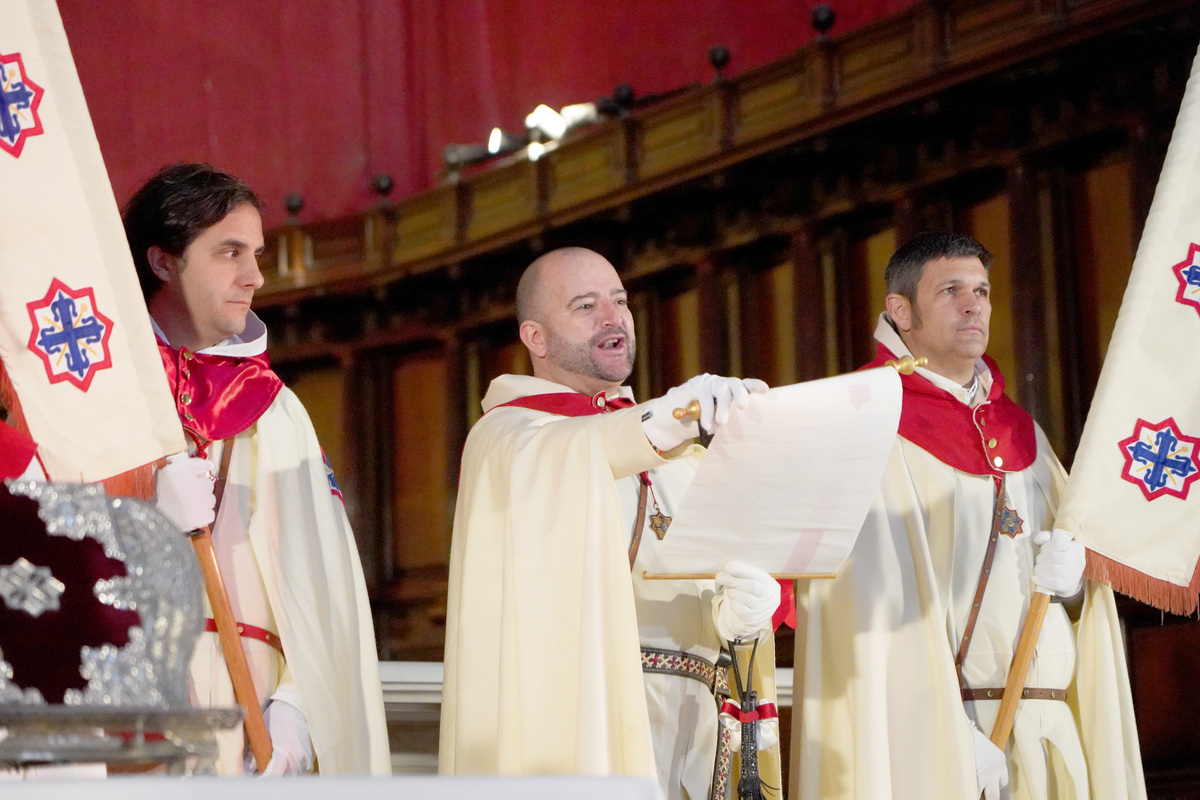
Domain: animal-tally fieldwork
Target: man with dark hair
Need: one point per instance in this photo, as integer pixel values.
(283, 541)
(558, 660)
(907, 652)
(169, 212)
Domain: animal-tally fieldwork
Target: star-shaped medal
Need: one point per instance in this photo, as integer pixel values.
(1010, 522)
(659, 522)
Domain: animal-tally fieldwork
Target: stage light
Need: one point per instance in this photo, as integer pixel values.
(579, 114)
(456, 156)
(545, 123)
(501, 141)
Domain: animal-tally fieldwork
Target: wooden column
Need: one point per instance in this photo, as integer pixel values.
(350, 473)
(1028, 301)
(1066, 305)
(854, 329)
(456, 419)
(369, 463)
(714, 338)
(906, 217)
(808, 303)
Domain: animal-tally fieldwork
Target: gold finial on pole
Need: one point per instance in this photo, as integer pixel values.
(905, 365)
(692, 410)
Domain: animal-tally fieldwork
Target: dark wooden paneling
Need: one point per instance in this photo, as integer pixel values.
(502, 200)
(592, 168)
(426, 225)
(684, 132)
(1027, 302)
(808, 286)
(876, 59)
(786, 95)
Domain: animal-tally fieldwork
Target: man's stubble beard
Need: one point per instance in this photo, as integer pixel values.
(579, 358)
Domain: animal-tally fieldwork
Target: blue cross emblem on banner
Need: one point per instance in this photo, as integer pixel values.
(1187, 272)
(1160, 459)
(70, 335)
(19, 99)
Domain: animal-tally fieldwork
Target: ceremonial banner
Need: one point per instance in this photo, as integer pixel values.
(75, 336)
(1132, 498)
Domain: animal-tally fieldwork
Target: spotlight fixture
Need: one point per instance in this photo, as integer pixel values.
(456, 156)
(544, 123)
(579, 114)
(501, 141)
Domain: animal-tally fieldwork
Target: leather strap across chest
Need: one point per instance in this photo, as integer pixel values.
(981, 587)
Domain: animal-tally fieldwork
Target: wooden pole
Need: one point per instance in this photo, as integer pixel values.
(231, 645)
(702, 576)
(1015, 684)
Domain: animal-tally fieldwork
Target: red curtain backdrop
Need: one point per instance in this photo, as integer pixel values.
(318, 96)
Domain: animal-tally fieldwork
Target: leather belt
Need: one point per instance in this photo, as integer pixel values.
(1026, 694)
(249, 632)
(677, 662)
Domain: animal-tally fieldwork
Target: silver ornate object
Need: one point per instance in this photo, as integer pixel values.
(31, 589)
(133, 706)
(162, 585)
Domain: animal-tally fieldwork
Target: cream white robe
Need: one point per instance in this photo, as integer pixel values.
(675, 615)
(879, 716)
(291, 566)
(542, 666)
(542, 673)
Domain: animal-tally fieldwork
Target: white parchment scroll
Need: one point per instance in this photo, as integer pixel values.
(787, 482)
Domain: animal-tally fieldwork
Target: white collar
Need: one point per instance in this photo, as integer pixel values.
(251, 342)
(972, 394)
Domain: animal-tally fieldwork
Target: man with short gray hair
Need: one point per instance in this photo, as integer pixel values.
(908, 650)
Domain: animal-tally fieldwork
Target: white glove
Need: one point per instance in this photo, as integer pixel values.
(1058, 568)
(292, 750)
(991, 765)
(183, 492)
(748, 599)
(715, 395)
(768, 732)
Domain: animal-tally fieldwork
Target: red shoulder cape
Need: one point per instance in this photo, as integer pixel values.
(218, 396)
(995, 437)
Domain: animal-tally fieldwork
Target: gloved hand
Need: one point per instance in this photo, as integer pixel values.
(292, 750)
(1058, 568)
(991, 765)
(715, 395)
(183, 492)
(749, 597)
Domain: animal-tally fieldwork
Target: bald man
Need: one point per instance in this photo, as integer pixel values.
(558, 660)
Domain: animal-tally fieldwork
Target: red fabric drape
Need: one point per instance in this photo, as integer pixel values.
(319, 96)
